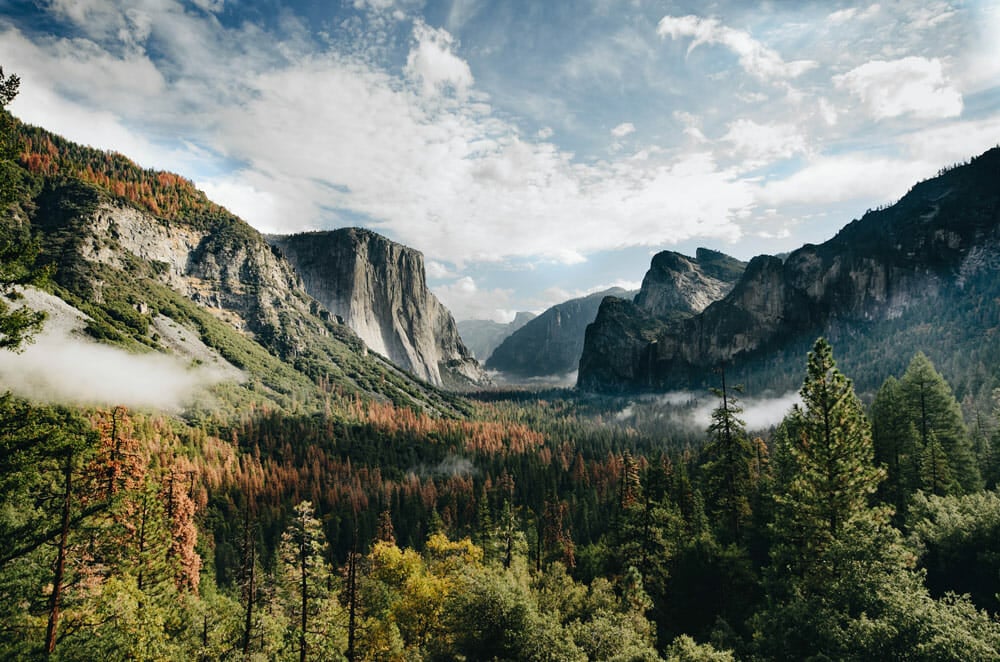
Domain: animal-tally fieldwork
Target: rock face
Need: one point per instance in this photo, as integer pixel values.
(483, 336)
(617, 346)
(378, 288)
(937, 248)
(551, 343)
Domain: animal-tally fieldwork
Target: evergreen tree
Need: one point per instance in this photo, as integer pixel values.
(933, 408)
(304, 579)
(728, 471)
(834, 474)
(17, 250)
(935, 472)
(894, 440)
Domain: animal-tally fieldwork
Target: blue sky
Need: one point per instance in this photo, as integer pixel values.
(534, 151)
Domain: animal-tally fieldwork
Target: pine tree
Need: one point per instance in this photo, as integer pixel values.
(304, 573)
(17, 250)
(834, 477)
(894, 439)
(935, 472)
(932, 407)
(729, 467)
(834, 555)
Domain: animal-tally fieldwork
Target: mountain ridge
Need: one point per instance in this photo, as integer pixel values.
(934, 245)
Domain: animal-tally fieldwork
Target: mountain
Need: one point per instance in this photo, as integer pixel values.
(675, 287)
(920, 274)
(483, 336)
(551, 343)
(139, 251)
(378, 288)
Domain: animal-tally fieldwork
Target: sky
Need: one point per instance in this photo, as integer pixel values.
(533, 151)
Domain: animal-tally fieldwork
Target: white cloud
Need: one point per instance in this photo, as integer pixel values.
(623, 129)
(241, 198)
(467, 302)
(835, 179)
(851, 13)
(913, 85)
(756, 59)
(433, 63)
(545, 133)
(764, 143)
(437, 271)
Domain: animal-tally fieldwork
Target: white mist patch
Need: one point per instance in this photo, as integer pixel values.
(560, 380)
(758, 413)
(62, 366)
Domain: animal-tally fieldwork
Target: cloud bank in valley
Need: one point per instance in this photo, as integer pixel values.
(62, 366)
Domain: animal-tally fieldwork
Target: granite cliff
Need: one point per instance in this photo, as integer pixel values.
(378, 288)
(616, 346)
(930, 258)
(551, 343)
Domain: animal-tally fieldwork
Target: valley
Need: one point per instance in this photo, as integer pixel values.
(217, 443)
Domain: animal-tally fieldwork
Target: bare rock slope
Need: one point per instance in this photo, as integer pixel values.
(379, 289)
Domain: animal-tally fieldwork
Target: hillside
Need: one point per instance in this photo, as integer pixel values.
(918, 275)
(134, 248)
(674, 288)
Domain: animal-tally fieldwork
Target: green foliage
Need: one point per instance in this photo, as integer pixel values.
(17, 250)
(831, 473)
(957, 539)
(934, 411)
(728, 474)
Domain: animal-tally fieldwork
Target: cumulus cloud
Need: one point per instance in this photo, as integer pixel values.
(467, 302)
(623, 129)
(756, 59)
(434, 64)
(763, 143)
(910, 86)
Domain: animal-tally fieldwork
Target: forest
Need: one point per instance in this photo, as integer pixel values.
(528, 531)
(308, 520)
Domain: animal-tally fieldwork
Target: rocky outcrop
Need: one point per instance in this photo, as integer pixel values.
(228, 269)
(620, 345)
(920, 251)
(677, 285)
(379, 289)
(483, 336)
(551, 343)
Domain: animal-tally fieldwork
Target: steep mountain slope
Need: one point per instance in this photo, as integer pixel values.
(379, 289)
(483, 336)
(675, 287)
(920, 274)
(128, 247)
(551, 343)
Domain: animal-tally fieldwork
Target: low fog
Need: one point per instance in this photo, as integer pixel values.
(62, 366)
(695, 411)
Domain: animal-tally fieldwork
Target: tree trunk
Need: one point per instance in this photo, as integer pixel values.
(60, 568)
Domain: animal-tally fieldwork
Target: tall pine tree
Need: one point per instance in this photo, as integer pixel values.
(933, 409)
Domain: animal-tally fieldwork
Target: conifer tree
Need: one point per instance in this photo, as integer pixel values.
(304, 573)
(17, 250)
(935, 472)
(932, 407)
(728, 470)
(894, 440)
(834, 475)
